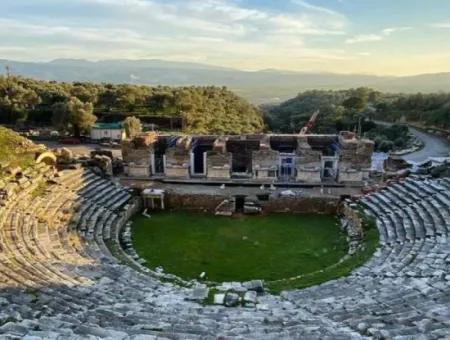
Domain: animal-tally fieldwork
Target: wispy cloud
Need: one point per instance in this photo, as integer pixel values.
(390, 30)
(317, 8)
(224, 32)
(247, 34)
(365, 38)
(441, 25)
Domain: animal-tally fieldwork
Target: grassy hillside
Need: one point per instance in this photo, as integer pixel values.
(203, 109)
(15, 150)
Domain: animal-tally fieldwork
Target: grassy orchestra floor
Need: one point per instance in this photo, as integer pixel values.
(271, 247)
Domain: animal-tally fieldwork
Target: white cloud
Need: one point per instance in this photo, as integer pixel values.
(364, 38)
(308, 5)
(441, 25)
(388, 31)
(223, 32)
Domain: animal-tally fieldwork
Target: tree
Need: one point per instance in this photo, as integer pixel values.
(60, 116)
(205, 109)
(355, 103)
(386, 146)
(399, 142)
(73, 116)
(132, 126)
(16, 100)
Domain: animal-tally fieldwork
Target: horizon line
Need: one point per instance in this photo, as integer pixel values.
(47, 61)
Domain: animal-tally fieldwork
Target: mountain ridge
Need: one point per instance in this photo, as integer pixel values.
(261, 86)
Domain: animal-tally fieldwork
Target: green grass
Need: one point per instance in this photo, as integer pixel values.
(40, 189)
(333, 272)
(12, 149)
(269, 247)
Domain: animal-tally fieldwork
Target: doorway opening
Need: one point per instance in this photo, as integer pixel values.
(239, 203)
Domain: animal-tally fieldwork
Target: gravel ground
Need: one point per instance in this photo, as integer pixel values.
(80, 149)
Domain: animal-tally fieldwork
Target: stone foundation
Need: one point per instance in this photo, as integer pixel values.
(193, 201)
(350, 176)
(177, 171)
(218, 165)
(200, 202)
(302, 205)
(135, 170)
(308, 175)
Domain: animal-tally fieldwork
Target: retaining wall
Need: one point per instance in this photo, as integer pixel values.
(204, 202)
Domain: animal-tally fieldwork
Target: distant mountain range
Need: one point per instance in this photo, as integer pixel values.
(258, 86)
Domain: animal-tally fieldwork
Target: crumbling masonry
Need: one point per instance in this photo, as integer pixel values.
(312, 159)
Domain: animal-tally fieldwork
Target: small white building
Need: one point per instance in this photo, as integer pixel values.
(113, 131)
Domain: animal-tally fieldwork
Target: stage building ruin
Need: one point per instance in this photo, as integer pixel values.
(312, 159)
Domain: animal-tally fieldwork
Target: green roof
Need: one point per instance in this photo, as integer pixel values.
(107, 126)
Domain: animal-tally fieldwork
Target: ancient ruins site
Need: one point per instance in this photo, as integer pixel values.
(255, 237)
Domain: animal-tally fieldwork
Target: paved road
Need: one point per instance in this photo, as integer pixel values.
(435, 146)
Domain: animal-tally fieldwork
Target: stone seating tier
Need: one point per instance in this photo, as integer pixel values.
(59, 278)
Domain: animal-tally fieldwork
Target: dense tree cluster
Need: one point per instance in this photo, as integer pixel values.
(355, 110)
(425, 109)
(342, 109)
(74, 106)
(387, 138)
(339, 110)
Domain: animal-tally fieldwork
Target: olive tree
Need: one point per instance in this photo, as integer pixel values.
(74, 116)
(132, 126)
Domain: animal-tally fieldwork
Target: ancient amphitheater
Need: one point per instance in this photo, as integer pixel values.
(63, 274)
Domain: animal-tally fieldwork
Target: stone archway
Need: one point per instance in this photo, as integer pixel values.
(46, 157)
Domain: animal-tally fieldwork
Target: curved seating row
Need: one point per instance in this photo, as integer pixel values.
(60, 278)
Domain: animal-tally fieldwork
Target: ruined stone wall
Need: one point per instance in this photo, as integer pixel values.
(201, 202)
(218, 165)
(356, 154)
(177, 163)
(308, 163)
(175, 156)
(306, 154)
(177, 172)
(318, 205)
(309, 175)
(134, 170)
(350, 175)
(364, 153)
(351, 215)
(265, 163)
(135, 153)
(193, 201)
(265, 159)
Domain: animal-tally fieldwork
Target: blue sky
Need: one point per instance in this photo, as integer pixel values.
(396, 37)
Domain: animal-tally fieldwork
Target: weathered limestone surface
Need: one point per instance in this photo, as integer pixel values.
(349, 175)
(265, 163)
(136, 153)
(301, 158)
(177, 163)
(310, 174)
(59, 280)
(137, 170)
(218, 165)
